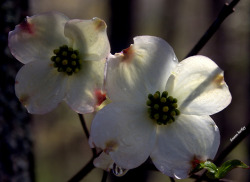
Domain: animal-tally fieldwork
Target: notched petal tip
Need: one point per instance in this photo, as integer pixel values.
(100, 97)
(24, 99)
(99, 23)
(219, 80)
(104, 162)
(111, 146)
(128, 54)
(214, 126)
(27, 26)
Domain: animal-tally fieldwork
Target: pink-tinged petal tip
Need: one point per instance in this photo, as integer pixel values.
(111, 146)
(99, 24)
(196, 161)
(24, 99)
(128, 54)
(100, 97)
(27, 27)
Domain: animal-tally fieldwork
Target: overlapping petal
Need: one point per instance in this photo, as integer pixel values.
(198, 84)
(39, 87)
(189, 137)
(37, 37)
(82, 87)
(123, 82)
(141, 69)
(158, 59)
(104, 161)
(89, 37)
(125, 133)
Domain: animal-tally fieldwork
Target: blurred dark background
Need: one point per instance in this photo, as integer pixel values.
(52, 147)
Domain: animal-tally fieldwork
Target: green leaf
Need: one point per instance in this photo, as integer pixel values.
(215, 173)
(228, 166)
(211, 167)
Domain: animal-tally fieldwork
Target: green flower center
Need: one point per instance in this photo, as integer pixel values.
(162, 108)
(66, 60)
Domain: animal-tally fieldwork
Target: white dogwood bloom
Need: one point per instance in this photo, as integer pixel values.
(64, 60)
(160, 109)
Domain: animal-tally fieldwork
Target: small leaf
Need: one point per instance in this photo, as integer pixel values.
(228, 166)
(211, 167)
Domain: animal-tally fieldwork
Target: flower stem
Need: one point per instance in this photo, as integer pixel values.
(224, 13)
(86, 131)
(88, 167)
(172, 179)
(85, 128)
(83, 172)
(104, 176)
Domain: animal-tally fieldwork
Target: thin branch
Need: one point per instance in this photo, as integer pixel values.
(104, 176)
(224, 13)
(172, 179)
(83, 172)
(85, 128)
(232, 145)
(87, 168)
(86, 131)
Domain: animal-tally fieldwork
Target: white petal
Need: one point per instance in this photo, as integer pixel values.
(198, 84)
(125, 133)
(180, 142)
(141, 69)
(89, 37)
(37, 37)
(124, 81)
(158, 59)
(40, 87)
(104, 162)
(84, 86)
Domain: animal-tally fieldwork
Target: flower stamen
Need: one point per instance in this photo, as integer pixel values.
(66, 60)
(162, 108)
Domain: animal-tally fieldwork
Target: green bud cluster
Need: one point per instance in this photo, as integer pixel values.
(66, 60)
(162, 108)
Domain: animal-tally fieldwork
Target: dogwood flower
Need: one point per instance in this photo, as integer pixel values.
(64, 60)
(160, 109)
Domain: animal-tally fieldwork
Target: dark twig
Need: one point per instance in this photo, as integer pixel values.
(172, 179)
(86, 169)
(232, 145)
(83, 172)
(86, 131)
(104, 176)
(85, 128)
(226, 10)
